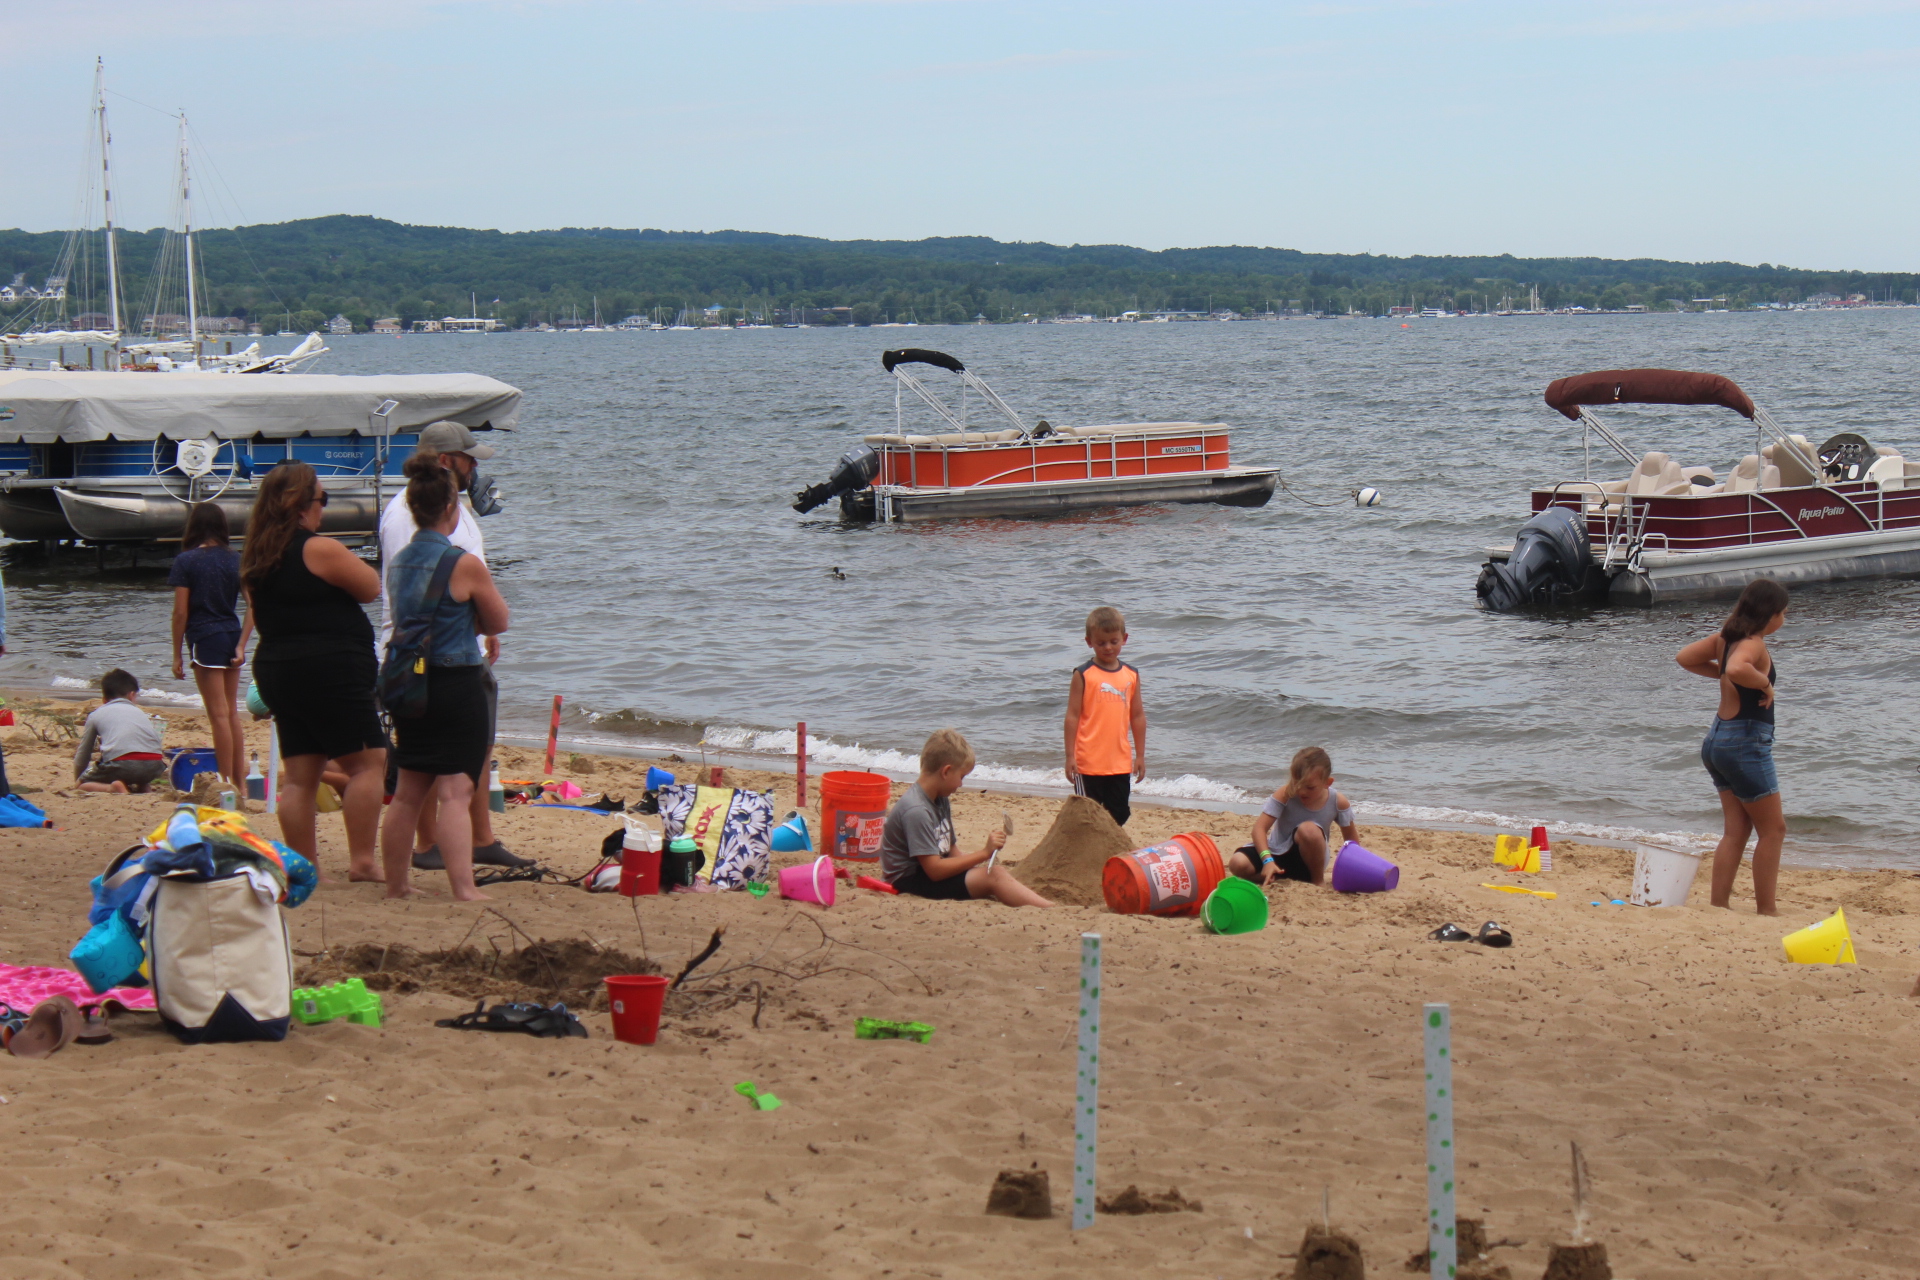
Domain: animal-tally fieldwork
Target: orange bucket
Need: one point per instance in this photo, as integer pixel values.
(853, 810)
(1171, 879)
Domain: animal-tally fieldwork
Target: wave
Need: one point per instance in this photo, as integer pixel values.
(162, 697)
(1435, 815)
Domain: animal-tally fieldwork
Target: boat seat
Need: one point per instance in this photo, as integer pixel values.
(1143, 429)
(1894, 472)
(1657, 476)
(1750, 477)
(952, 437)
(1793, 472)
(1692, 472)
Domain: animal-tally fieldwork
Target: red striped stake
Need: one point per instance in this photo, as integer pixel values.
(715, 777)
(553, 737)
(800, 773)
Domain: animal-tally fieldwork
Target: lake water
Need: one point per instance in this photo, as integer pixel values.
(661, 583)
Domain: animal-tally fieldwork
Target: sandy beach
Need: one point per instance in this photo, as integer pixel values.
(1742, 1116)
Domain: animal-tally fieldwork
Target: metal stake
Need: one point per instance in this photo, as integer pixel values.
(1086, 1094)
(1442, 1248)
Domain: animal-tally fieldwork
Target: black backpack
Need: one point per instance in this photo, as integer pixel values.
(402, 687)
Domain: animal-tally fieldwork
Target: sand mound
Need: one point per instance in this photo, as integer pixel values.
(1067, 862)
(570, 970)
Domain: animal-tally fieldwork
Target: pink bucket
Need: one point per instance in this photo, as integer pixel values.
(811, 883)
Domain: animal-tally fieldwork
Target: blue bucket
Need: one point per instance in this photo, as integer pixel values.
(658, 778)
(190, 764)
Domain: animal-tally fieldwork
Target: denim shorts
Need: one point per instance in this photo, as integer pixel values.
(1739, 757)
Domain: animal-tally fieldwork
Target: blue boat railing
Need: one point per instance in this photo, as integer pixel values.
(331, 456)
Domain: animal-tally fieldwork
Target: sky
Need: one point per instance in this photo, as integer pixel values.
(1700, 130)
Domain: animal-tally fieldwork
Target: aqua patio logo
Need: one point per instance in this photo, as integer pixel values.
(1821, 513)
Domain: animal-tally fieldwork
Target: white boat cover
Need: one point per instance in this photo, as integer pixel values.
(41, 408)
(82, 336)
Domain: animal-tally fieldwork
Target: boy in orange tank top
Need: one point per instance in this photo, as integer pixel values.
(1103, 707)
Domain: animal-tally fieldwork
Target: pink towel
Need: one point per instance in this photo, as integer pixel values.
(24, 986)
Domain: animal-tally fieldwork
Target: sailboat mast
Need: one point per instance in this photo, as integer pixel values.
(106, 193)
(186, 206)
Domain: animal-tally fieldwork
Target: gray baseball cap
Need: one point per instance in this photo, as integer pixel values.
(452, 437)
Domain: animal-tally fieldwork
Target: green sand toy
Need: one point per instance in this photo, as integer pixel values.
(761, 1101)
(882, 1029)
(1236, 906)
(350, 1000)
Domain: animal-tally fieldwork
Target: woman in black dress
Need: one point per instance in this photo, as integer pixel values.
(315, 664)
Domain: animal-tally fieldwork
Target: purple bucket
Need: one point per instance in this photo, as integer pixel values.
(1360, 870)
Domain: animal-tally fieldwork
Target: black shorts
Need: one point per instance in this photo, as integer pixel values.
(215, 651)
(322, 706)
(453, 736)
(921, 885)
(1110, 790)
(1291, 864)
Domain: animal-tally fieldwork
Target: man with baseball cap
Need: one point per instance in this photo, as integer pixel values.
(461, 454)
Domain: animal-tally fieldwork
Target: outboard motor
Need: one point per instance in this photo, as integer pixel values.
(855, 470)
(1551, 556)
(484, 495)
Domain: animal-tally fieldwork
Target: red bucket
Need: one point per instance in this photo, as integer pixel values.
(853, 810)
(639, 872)
(636, 999)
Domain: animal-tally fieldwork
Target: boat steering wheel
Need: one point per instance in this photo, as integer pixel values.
(198, 462)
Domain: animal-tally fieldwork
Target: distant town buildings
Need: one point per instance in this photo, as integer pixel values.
(339, 325)
(388, 324)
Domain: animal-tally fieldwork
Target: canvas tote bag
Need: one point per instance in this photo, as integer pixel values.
(222, 962)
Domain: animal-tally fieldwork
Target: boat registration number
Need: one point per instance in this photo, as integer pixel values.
(1179, 448)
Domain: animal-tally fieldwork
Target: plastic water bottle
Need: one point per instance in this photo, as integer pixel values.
(256, 780)
(496, 795)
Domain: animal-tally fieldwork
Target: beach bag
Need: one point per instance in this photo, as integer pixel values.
(402, 686)
(221, 962)
(734, 829)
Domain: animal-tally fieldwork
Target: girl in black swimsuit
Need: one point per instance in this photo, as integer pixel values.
(1738, 751)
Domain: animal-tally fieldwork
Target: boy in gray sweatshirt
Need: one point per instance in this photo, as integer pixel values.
(130, 757)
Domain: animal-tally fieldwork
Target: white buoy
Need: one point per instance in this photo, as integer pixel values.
(1366, 497)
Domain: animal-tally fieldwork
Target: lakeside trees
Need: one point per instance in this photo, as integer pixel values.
(366, 268)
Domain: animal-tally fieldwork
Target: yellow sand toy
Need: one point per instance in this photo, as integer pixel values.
(1826, 942)
(1514, 888)
(1516, 854)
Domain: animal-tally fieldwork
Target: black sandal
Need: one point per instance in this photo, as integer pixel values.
(1450, 932)
(1492, 934)
(534, 1019)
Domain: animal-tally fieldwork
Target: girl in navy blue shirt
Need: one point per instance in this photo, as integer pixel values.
(206, 620)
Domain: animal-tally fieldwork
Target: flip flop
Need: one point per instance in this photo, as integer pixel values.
(95, 1031)
(1493, 934)
(1450, 932)
(534, 1019)
(51, 1026)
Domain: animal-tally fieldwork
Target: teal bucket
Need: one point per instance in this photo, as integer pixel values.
(1236, 906)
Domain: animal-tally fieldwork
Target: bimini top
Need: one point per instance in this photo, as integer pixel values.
(1647, 386)
(41, 408)
(920, 355)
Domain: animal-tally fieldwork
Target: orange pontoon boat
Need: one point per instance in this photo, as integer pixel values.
(1019, 470)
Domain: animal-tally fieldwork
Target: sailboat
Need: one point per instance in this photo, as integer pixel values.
(104, 455)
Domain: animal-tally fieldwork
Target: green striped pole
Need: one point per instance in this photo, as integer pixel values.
(1086, 1093)
(1441, 1246)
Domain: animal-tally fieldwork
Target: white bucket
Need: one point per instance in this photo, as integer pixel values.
(1662, 876)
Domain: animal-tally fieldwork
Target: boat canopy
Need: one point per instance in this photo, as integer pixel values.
(1646, 386)
(920, 355)
(41, 408)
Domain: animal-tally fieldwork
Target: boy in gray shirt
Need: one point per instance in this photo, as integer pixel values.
(916, 845)
(130, 756)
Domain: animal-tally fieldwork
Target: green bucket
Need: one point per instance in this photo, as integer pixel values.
(1236, 906)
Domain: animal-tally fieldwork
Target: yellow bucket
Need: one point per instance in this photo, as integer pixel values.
(1826, 942)
(1516, 854)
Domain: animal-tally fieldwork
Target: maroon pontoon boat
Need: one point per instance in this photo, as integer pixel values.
(1789, 511)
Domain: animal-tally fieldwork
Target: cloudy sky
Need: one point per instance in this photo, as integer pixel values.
(1751, 130)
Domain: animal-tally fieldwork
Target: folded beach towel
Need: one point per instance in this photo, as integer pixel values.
(24, 986)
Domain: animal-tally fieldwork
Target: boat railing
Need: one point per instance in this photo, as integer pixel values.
(1102, 450)
(1627, 522)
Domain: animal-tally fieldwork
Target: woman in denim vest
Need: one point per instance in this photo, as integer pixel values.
(444, 751)
(1738, 751)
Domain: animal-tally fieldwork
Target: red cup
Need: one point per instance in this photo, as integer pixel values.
(636, 999)
(640, 873)
(1540, 838)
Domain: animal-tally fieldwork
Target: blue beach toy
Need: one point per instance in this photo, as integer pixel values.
(791, 836)
(658, 778)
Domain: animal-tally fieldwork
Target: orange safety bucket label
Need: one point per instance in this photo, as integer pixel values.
(857, 835)
(1171, 881)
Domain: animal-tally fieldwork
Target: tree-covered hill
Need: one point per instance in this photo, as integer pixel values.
(367, 267)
